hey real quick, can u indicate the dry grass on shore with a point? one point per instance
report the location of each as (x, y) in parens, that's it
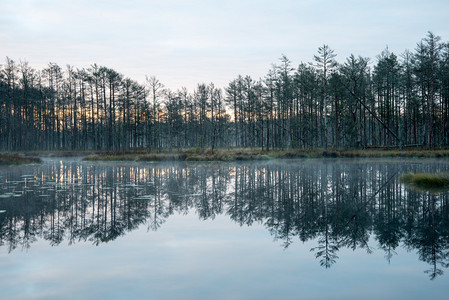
(238, 154)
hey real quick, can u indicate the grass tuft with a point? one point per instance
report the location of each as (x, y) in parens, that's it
(426, 180)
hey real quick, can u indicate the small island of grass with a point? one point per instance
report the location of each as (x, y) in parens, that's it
(426, 180)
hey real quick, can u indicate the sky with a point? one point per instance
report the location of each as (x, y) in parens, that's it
(186, 42)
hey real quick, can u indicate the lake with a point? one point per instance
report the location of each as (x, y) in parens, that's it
(288, 229)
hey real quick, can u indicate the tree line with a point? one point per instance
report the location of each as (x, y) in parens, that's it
(394, 101)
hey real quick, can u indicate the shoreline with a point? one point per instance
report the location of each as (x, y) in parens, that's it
(245, 154)
(227, 154)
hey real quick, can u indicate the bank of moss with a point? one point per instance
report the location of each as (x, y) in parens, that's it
(6, 159)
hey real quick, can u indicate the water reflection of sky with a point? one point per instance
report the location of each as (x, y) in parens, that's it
(191, 258)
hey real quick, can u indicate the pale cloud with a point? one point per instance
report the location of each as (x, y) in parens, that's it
(187, 42)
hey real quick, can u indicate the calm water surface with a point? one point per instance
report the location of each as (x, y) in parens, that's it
(294, 229)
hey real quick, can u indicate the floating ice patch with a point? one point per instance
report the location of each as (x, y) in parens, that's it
(144, 197)
(2, 211)
(6, 195)
(71, 180)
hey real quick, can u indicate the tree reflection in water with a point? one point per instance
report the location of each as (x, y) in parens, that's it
(337, 204)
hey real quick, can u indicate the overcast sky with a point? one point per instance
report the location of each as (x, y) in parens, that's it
(185, 42)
